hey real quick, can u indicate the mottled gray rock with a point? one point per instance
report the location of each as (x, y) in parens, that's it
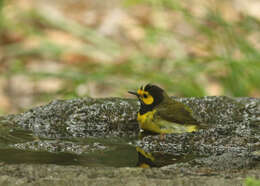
(230, 140)
(81, 118)
(45, 175)
(117, 116)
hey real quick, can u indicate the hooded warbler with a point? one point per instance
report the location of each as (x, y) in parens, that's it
(162, 115)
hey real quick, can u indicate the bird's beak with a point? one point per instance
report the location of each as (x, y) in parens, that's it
(134, 93)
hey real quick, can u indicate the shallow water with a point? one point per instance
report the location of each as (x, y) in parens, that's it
(126, 156)
(20, 146)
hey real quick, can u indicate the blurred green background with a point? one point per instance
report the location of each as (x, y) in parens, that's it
(62, 49)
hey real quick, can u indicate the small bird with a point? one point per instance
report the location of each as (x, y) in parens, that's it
(160, 114)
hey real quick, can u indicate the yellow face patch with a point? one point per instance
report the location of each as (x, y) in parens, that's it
(145, 96)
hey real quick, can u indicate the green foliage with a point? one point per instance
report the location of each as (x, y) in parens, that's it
(232, 63)
(1, 14)
(171, 4)
(252, 182)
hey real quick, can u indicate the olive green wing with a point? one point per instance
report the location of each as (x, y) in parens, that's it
(168, 127)
(177, 112)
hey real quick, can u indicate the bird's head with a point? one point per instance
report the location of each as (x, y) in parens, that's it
(150, 95)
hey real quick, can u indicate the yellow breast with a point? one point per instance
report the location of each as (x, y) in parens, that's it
(147, 121)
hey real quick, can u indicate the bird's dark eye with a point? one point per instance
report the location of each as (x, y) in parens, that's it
(145, 95)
